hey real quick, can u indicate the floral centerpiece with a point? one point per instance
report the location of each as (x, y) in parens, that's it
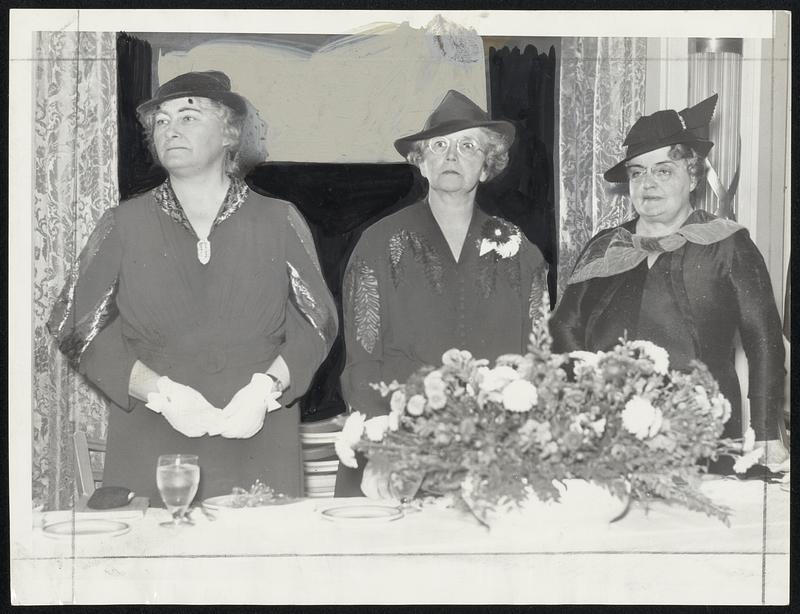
(498, 435)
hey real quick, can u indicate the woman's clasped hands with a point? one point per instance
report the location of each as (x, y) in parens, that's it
(190, 413)
(244, 415)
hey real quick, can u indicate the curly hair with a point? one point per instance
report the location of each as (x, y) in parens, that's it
(695, 166)
(232, 123)
(496, 150)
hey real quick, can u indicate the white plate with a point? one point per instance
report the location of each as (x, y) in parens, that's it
(225, 502)
(362, 514)
(88, 527)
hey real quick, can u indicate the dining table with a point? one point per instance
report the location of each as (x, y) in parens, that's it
(300, 553)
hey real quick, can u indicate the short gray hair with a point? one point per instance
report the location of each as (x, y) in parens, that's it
(232, 123)
(497, 146)
(695, 166)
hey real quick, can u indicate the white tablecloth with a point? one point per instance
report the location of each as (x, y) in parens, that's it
(290, 554)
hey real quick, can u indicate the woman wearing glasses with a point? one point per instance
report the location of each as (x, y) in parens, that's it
(678, 276)
(438, 274)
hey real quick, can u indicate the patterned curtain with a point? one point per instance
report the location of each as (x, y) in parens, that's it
(75, 180)
(601, 95)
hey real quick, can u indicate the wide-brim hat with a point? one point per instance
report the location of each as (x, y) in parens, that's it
(211, 84)
(664, 128)
(455, 112)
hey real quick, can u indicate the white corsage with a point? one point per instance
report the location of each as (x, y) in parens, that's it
(500, 237)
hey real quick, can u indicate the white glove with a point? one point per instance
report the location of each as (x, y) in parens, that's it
(186, 410)
(244, 414)
(776, 456)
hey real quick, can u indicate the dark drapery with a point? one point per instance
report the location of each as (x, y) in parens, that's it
(522, 90)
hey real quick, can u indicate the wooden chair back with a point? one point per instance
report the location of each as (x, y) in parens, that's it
(87, 478)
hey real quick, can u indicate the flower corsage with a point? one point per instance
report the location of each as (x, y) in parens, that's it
(501, 237)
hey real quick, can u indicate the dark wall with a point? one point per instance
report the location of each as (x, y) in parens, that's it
(340, 200)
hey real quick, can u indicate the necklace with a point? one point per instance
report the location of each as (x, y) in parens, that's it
(204, 250)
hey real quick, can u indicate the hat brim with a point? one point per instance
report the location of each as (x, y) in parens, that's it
(405, 144)
(237, 103)
(618, 174)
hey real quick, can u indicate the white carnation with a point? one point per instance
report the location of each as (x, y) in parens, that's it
(520, 396)
(416, 405)
(590, 359)
(641, 418)
(657, 355)
(398, 401)
(497, 378)
(433, 383)
(437, 400)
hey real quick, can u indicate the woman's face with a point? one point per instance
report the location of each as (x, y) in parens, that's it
(455, 168)
(660, 186)
(189, 136)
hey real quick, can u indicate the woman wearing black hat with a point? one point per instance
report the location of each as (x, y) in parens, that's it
(197, 305)
(678, 276)
(438, 274)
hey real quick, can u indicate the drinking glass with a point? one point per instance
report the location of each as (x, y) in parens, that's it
(177, 476)
(403, 487)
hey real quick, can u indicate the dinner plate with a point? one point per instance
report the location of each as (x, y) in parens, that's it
(85, 527)
(366, 513)
(226, 502)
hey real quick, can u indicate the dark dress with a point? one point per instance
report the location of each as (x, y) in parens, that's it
(692, 302)
(406, 301)
(141, 294)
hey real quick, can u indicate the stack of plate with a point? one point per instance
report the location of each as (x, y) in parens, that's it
(319, 456)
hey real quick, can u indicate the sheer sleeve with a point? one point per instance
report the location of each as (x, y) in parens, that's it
(363, 308)
(760, 329)
(311, 322)
(85, 318)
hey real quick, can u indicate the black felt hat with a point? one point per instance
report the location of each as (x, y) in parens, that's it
(455, 112)
(211, 84)
(664, 128)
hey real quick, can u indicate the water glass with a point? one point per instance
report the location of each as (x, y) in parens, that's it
(403, 487)
(177, 476)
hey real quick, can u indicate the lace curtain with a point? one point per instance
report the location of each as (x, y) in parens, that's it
(601, 95)
(75, 180)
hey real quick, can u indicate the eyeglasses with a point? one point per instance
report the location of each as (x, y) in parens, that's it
(636, 174)
(466, 146)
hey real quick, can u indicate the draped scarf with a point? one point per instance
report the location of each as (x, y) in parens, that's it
(620, 250)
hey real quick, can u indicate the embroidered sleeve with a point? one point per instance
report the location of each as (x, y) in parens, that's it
(300, 229)
(85, 318)
(363, 306)
(76, 320)
(539, 298)
(403, 242)
(311, 321)
(365, 299)
(315, 312)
